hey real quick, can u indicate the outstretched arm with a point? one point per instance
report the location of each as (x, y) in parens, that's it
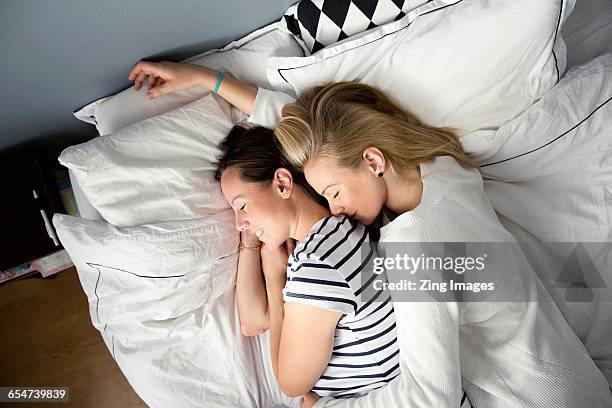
(166, 76)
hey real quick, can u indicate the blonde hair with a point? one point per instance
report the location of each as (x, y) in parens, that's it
(342, 119)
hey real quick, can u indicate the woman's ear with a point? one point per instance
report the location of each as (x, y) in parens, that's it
(374, 160)
(283, 182)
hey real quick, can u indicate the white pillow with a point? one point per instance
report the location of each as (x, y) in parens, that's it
(245, 59)
(157, 272)
(551, 168)
(162, 297)
(466, 64)
(160, 169)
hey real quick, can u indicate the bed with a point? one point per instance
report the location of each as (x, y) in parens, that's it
(159, 276)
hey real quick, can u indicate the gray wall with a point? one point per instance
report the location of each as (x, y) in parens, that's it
(58, 55)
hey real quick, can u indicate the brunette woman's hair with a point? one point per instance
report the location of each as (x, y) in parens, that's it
(255, 152)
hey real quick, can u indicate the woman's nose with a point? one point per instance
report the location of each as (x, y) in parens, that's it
(241, 223)
(336, 209)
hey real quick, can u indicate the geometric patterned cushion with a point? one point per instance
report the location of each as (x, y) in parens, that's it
(319, 23)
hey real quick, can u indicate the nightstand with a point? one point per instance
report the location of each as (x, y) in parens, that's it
(29, 200)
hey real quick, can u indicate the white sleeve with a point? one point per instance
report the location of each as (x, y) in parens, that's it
(268, 107)
(428, 336)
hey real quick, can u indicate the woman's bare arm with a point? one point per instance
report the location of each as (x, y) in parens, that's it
(251, 295)
(236, 92)
(301, 336)
(166, 76)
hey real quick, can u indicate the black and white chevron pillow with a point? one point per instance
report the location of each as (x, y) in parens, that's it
(319, 23)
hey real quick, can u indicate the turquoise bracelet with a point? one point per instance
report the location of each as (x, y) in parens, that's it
(219, 79)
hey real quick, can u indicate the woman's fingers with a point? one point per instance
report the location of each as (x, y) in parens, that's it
(145, 69)
(160, 90)
(139, 80)
(290, 246)
(248, 238)
(163, 77)
(152, 82)
(142, 66)
(156, 81)
(135, 71)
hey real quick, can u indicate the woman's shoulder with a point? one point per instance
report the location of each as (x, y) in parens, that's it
(334, 242)
(268, 107)
(447, 174)
(334, 230)
(454, 207)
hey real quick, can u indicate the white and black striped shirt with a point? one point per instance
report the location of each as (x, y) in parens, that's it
(328, 270)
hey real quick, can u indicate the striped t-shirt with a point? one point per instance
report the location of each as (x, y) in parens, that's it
(328, 270)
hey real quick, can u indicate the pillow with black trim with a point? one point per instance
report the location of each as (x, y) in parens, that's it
(319, 23)
(463, 64)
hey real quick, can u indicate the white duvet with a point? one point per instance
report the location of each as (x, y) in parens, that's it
(549, 177)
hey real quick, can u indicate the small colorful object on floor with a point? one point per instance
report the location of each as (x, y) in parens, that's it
(46, 266)
(16, 272)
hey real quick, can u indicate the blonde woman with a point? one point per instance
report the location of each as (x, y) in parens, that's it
(512, 349)
(366, 155)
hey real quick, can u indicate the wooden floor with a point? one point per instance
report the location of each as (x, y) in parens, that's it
(47, 339)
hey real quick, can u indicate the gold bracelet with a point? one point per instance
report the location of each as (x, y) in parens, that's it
(241, 246)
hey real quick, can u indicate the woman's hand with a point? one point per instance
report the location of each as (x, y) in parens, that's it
(248, 238)
(274, 261)
(165, 76)
(309, 400)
